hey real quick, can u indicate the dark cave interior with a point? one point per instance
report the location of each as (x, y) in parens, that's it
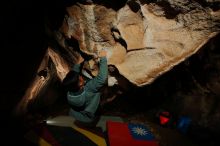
(25, 43)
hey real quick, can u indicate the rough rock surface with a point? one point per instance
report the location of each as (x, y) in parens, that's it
(144, 39)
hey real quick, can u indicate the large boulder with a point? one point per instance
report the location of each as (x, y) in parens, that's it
(144, 39)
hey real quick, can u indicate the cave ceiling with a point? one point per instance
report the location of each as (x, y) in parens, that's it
(144, 39)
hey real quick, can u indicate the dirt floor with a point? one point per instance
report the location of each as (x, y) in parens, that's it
(166, 136)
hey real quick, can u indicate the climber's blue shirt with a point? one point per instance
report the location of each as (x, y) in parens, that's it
(85, 102)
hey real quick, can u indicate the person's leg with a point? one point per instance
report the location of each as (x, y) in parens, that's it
(113, 92)
(89, 125)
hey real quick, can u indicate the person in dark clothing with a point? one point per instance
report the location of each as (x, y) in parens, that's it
(83, 94)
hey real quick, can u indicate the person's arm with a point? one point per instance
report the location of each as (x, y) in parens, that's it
(77, 66)
(96, 83)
